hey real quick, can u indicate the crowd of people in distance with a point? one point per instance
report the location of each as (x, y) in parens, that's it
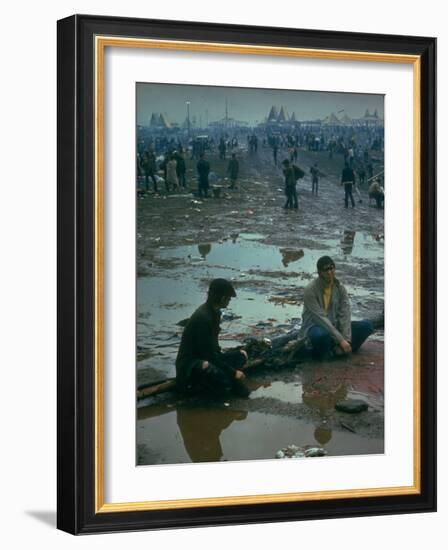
(161, 160)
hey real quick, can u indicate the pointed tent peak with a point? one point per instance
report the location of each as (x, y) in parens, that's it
(283, 115)
(367, 113)
(346, 119)
(293, 117)
(163, 121)
(331, 119)
(375, 114)
(154, 120)
(273, 114)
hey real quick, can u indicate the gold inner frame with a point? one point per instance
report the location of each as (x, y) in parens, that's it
(101, 42)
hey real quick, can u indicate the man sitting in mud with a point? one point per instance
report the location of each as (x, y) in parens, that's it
(201, 366)
(327, 328)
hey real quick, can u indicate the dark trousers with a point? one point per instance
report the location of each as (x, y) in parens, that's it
(203, 188)
(323, 343)
(291, 198)
(315, 186)
(181, 178)
(217, 381)
(348, 194)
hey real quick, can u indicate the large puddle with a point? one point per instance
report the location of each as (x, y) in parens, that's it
(269, 282)
(168, 435)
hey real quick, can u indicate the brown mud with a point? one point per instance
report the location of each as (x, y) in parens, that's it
(270, 256)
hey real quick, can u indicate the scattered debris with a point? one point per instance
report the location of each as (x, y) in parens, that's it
(352, 406)
(293, 451)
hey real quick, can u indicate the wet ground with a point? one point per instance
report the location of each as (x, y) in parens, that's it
(270, 255)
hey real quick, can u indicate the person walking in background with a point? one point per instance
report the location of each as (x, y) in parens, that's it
(148, 165)
(203, 168)
(314, 171)
(233, 170)
(181, 169)
(348, 180)
(275, 151)
(290, 185)
(171, 173)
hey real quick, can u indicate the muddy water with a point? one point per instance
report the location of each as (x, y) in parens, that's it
(288, 408)
(210, 435)
(269, 281)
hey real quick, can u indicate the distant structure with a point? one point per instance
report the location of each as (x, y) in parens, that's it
(331, 120)
(371, 120)
(278, 120)
(227, 123)
(159, 121)
(273, 114)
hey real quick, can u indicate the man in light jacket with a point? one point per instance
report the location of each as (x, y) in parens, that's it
(326, 321)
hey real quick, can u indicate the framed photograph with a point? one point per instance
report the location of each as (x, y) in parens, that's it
(246, 324)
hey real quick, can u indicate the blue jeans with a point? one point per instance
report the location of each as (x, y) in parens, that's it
(323, 343)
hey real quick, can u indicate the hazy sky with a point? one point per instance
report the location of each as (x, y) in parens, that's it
(247, 104)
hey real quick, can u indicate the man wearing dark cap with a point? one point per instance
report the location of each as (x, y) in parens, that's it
(326, 318)
(201, 365)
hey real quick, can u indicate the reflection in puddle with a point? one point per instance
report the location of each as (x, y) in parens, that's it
(205, 446)
(288, 393)
(290, 255)
(180, 432)
(166, 435)
(204, 249)
(347, 242)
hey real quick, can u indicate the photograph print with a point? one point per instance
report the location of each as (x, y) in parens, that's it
(260, 274)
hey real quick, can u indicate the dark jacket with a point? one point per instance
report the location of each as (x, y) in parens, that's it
(200, 343)
(203, 168)
(348, 176)
(180, 166)
(233, 168)
(290, 179)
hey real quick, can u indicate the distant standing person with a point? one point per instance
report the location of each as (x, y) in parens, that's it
(233, 170)
(171, 174)
(148, 165)
(203, 168)
(290, 185)
(361, 175)
(181, 169)
(314, 171)
(222, 149)
(275, 152)
(348, 180)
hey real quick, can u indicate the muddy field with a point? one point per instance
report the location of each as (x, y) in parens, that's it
(270, 255)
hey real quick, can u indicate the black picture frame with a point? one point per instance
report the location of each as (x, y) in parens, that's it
(76, 475)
